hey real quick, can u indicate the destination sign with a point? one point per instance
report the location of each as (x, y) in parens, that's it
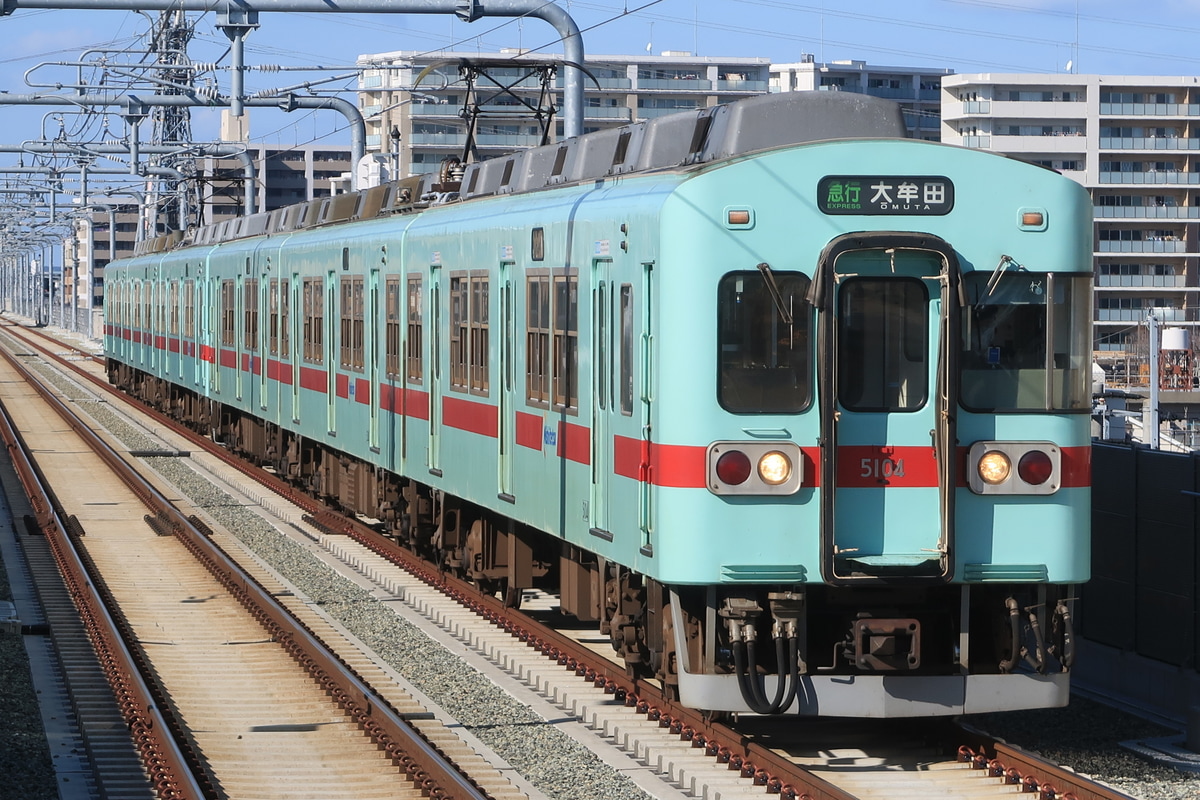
(896, 195)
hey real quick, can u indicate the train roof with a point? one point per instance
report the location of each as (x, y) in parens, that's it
(671, 141)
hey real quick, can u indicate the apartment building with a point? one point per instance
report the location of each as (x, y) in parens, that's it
(917, 90)
(415, 127)
(1134, 142)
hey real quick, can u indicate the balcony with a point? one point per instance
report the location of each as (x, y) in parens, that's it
(603, 83)
(1055, 143)
(433, 110)
(1139, 314)
(755, 87)
(1157, 246)
(675, 85)
(1141, 281)
(437, 139)
(978, 142)
(651, 113)
(1150, 109)
(1147, 212)
(1149, 143)
(1152, 176)
(608, 112)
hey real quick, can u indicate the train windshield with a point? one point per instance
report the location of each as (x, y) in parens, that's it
(1026, 342)
(763, 343)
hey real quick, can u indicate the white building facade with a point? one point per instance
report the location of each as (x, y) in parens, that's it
(416, 131)
(1134, 142)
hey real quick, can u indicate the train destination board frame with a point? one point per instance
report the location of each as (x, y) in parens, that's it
(878, 195)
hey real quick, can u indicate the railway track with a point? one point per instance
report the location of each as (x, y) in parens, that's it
(695, 754)
(213, 678)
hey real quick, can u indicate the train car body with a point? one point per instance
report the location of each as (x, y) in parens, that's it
(795, 409)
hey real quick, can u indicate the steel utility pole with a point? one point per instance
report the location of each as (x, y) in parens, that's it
(173, 124)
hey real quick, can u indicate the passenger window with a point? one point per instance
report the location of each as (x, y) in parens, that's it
(763, 343)
(883, 344)
(627, 349)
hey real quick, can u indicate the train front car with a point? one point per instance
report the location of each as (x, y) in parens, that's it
(880, 352)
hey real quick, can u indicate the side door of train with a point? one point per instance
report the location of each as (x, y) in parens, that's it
(622, 343)
(888, 472)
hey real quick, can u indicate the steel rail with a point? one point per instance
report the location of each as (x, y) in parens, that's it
(172, 767)
(418, 758)
(1034, 775)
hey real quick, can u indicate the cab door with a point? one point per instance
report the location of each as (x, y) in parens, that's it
(887, 408)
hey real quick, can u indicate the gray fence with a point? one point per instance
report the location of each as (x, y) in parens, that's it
(1143, 594)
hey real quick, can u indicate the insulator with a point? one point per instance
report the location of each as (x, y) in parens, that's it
(268, 68)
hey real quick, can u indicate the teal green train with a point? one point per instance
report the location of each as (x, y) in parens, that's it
(795, 409)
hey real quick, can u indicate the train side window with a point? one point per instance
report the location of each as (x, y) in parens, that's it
(627, 349)
(250, 314)
(391, 330)
(763, 343)
(352, 343)
(285, 325)
(459, 338)
(159, 303)
(314, 321)
(228, 313)
(189, 309)
(479, 334)
(601, 345)
(566, 341)
(414, 367)
(173, 327)
(537, 244)
(273, 317)
(537, 339)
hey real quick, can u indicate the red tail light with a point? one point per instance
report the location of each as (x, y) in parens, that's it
(733, 467)
(1035, 468)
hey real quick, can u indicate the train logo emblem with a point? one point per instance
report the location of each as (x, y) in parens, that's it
(914, 195)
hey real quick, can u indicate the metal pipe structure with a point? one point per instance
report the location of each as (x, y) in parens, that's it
(135, 106)
(218, 149)
(466, 10)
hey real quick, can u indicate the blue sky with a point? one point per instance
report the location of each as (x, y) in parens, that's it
(1093, 36)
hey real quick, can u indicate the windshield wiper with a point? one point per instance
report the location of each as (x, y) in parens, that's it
(773, 288)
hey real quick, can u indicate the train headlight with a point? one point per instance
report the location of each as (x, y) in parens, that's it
(994, 467)
(1038, 468)
(754, 468)
(774, 468)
